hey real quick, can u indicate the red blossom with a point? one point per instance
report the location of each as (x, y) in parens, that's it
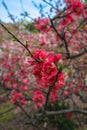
(67, 20)
(54, 57)
(17, 96)
(23, 102)
(77, 6)
(39, 99)
(49, 71)
(43, 25)
(40, 54)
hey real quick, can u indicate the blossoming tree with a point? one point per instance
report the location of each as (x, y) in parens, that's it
(49, 70)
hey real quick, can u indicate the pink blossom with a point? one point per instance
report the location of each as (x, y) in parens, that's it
(39, 99)
(43, 25)
(77, 6)
(40, 54)
(49, 71)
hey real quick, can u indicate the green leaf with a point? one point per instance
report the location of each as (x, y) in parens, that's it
(85, 1)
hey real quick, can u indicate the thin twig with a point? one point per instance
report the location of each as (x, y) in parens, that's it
(5, 112)
(18, 41)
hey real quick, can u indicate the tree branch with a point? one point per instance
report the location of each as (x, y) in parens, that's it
(18, 41)
(78, 55)
(52, 113)
(5, 112)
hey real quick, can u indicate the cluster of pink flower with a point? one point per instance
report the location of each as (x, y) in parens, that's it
(39, 99)
(77, 6)
(43, 25)
(14, 73)
(18, 97)
(47, 75)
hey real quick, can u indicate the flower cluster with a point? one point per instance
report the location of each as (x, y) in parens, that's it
(17, 97)
(77, 6)
(39, 99)
(67, 20)
(47, 73)
(43, 25)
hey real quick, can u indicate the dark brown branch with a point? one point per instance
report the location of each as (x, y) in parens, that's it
(62, 38)
(83, 22)
(49, 90)
(32, 121)
(20, 106)
(78, 55)
(59, 15)
(53, 113)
